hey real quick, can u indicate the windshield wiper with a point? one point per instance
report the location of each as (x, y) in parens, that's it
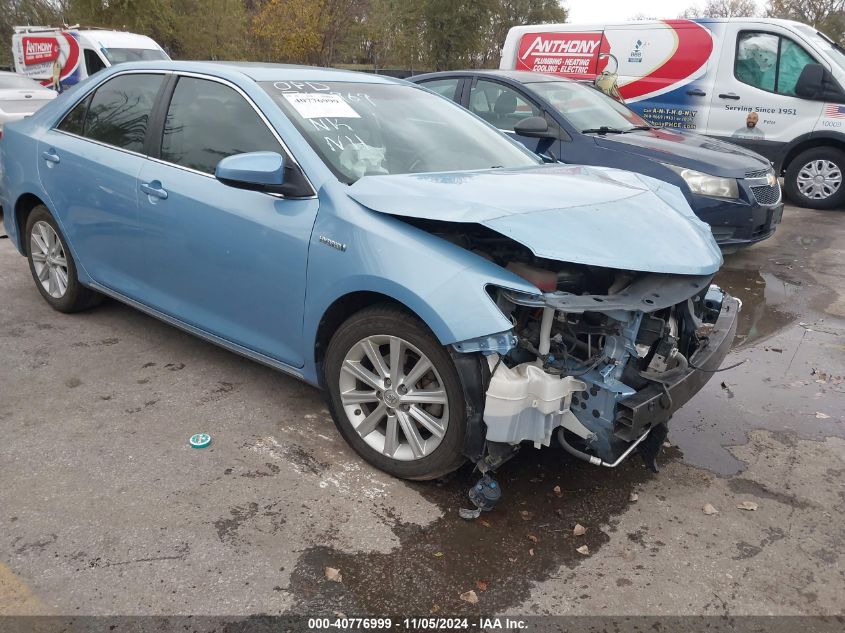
(603, 130)
(638, 127)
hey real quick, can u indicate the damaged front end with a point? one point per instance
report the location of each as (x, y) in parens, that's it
(624, 326)
(601, 359)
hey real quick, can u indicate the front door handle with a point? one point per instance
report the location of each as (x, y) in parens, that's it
(154, 190)
(729, 95)
(696, 92)
(51, 156)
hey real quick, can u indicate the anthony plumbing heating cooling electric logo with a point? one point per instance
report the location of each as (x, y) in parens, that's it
(568, 53)
(37, 50)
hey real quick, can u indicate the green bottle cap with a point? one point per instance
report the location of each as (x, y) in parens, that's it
(200, 440)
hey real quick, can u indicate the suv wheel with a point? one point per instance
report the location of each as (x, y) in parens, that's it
(395, 394)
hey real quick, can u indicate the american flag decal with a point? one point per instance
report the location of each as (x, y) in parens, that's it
(833, 111)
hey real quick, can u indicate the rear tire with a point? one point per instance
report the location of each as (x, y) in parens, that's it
(405, 421)
(52, 265)
(814, 178)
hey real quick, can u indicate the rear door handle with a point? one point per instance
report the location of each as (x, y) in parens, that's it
(729, 95)
(696, 92)
(154, 190)
(51, 156)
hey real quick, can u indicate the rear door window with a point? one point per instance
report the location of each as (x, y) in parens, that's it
(119, 111)
(208, 121)
(500, 105)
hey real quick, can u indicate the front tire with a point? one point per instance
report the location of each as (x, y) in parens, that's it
(814, 178)
(52, 265)
(395, 394)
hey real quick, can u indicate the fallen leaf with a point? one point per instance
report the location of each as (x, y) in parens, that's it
(583, 550)
(709, 509)
(526, 515)
(470, 596)
(435, 608)
(579, 530)
(484, 522)
(531, 552)
(633, 497)
(557, 491)
(333, 574)
(481, 584)
(438, 554)
(533, 538)
(339, 614)
(747, 505)
(821, 416)
(513, 560)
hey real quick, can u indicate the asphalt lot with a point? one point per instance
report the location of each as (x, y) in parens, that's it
(105, 509)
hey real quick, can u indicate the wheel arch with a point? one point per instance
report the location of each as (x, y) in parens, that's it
(23, 207)
(811, 142)
(341, 309)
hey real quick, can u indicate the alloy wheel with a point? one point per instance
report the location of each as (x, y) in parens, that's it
(819, 179)
(48, 259)
(394, 397)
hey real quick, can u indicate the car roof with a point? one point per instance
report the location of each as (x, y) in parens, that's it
(258, 71)
(520, 76)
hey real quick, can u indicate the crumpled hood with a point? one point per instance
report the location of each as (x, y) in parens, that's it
(583, 215)
(694, 151)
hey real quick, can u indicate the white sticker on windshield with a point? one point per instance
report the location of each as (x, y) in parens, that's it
(316, 106)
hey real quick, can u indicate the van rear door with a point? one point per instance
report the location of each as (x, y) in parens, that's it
(754, 103)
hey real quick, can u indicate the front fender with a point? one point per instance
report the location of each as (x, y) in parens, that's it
(443, 284)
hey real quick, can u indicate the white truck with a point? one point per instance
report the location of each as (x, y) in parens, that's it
(775, 86)
(61, 57)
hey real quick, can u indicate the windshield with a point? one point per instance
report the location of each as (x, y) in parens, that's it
(585, 108)
(16, 82)
(361, 129)
(825, 44)
(121, 55)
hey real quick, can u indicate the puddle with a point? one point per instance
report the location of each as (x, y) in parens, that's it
(434, 564)
(768, 302)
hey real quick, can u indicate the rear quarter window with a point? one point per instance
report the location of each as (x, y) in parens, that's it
(119, 110)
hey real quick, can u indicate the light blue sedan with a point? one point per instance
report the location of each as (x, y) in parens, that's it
(453, 295)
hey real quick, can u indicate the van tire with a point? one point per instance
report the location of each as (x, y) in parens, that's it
(824, 159)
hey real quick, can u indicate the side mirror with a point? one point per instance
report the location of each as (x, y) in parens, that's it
(261, 171)
(816, 82)
(810, 82)
(534, 127)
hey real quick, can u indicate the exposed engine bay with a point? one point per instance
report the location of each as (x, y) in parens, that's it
(600, 359)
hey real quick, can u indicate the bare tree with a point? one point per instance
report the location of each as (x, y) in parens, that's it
(723, 9)
(828, 16)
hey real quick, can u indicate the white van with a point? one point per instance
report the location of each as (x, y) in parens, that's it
(774, 86)
(60, 58)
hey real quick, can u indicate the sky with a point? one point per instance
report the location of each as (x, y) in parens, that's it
(586, 11)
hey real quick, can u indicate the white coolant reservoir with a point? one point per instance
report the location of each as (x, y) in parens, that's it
(526, 403)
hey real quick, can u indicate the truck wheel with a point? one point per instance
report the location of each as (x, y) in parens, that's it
(814, 178)
(395, 394)
(52, 265)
